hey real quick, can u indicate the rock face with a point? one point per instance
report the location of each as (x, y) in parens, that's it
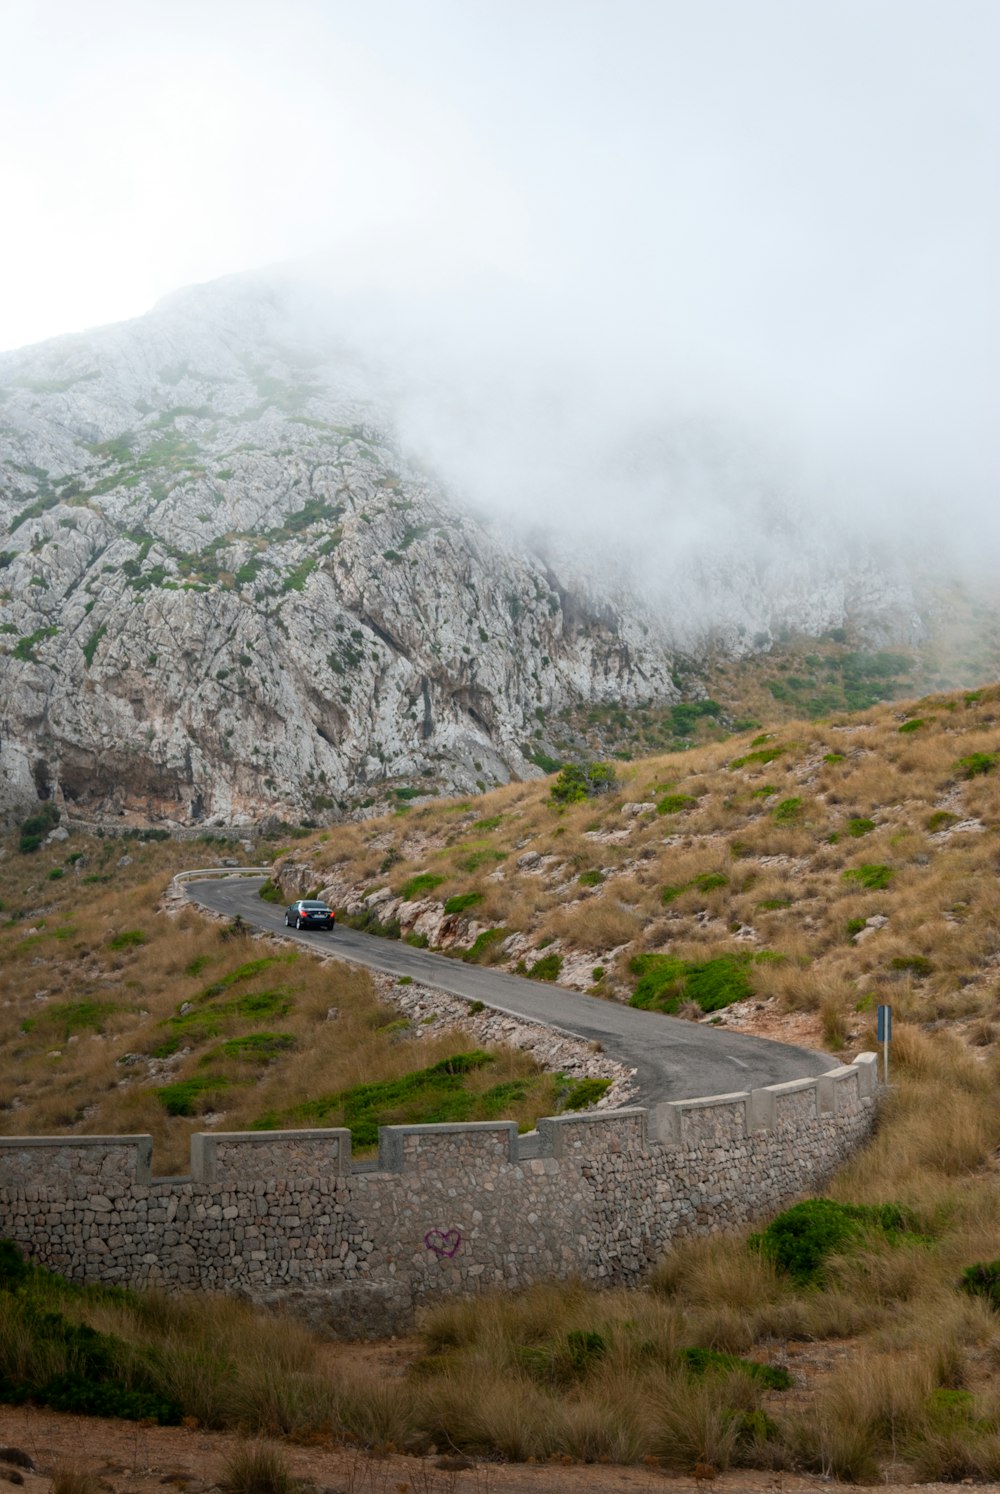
(224, 591)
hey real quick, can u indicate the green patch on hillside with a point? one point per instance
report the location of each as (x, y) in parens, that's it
(206, 1022)
(820, 685)
(706, 882)
(431, 1096)
(873, 877)
(666, 982)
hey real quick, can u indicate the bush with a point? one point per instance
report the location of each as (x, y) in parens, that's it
(127, 939)
(416, 886)
(65, 1364)
(706, 1361)
(977, 763)
(858, 826)
(256, 1469)
(462, 901)
(800, 1240)
(874, 877)
(983, 1280)
(676, 803)
(271, 892)
(484, 947)
(547, 968)
(576, 783)
(665, 982)
(580, 1093)
(37, 826)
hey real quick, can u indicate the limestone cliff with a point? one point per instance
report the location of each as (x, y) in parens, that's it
(225, 591)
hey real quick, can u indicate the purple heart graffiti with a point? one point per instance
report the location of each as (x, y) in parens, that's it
(443, 1242)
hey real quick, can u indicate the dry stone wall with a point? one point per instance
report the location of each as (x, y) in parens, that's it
(285, 1217)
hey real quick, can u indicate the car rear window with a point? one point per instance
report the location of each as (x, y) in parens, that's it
(314, 905)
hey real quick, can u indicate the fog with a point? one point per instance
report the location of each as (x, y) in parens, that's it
(711, 279)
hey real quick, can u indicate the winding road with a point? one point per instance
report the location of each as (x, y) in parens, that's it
(673, 1059)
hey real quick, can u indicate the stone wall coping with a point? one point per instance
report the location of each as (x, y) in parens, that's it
(391, 1139)
(757, 1110)
(670, 1114)
(141, 1145)
(206, 1168)
(553, 1129)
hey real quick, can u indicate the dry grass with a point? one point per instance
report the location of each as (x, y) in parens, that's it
(90, 1018)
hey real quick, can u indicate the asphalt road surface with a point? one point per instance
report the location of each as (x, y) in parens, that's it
(673, 1059)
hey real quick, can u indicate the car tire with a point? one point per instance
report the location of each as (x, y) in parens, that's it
(288, 922)
(298, 923)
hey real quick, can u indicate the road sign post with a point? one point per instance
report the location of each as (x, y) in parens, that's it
(884, 1032)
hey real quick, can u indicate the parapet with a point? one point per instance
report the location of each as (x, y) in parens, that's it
(72, 1166)
(242, 1157)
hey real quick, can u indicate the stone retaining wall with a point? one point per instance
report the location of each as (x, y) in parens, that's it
(284, 1218)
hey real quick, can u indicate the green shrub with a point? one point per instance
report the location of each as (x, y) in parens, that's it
(914, 725)
(127, 939)
(462, 902)
(576, 783)
(547, 968)
(713, 1361)
(676, 803)
(858, 826)
(918, 965)
(787, 812)
(939, 820)
(833, 757)
(182, 1097)
(420, 884)
(258, 1047)
(983, 1280)
(66, 1364)
(579, 1093)
(761, 757)
(976, 764)
(666, 981)
(874, 877)
(37, 826)
(801, 1239)
(435, 1095)
(592, 878)
(271, 892)
(484, 950)
(706, 882)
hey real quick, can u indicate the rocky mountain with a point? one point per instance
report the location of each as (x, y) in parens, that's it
(225, 591)
(229, 589)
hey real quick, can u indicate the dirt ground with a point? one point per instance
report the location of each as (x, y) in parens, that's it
(125, 1458)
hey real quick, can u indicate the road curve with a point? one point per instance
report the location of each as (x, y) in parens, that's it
(673, 1060)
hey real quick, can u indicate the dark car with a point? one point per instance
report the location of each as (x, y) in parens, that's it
(309, 914)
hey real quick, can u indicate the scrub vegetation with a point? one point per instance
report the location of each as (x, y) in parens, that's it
(856, 1336)
(118, 1017)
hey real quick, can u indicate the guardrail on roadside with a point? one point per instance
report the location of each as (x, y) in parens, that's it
(223, 871)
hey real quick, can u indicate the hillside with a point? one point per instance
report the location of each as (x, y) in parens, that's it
(784, 883)
(828, 866)
(819, 868)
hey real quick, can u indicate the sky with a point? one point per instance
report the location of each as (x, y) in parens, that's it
(775, 221)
